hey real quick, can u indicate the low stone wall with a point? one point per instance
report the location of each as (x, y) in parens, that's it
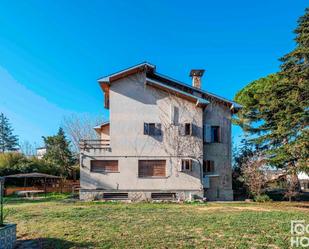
(184, 195)
(7, 236)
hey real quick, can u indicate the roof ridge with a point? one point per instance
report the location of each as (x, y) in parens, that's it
(128, 68)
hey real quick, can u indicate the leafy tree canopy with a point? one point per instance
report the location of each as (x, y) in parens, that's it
(16, 163)
(58, 152)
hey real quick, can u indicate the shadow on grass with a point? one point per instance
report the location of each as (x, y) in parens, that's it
(278, 195)
(51, 243)
(14, 199)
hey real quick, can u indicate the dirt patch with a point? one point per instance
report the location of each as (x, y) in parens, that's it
(234, 209)
(253, 209)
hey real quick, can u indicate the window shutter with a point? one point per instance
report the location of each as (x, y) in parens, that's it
(192, 129)
(182, 130)
(195, 130)
(146, 129)
(172, 117)
(176, 115)
(150, 168)
(181, 165)
(104, 165)
(158, 131)
(212, 166)
(207, 133)
(219, 134)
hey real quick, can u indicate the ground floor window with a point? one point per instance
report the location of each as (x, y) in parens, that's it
(104, 166)
(151, 168)
(208, 167)
(186, 165)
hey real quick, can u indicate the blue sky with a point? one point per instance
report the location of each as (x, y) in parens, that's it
(52, 52)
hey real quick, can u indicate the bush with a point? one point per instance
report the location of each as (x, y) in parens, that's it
(16, 163)
(262, 198)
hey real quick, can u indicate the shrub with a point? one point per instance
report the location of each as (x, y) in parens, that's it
(262, 198)
(16, 163)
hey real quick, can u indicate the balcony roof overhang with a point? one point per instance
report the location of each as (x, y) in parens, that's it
(99, 127)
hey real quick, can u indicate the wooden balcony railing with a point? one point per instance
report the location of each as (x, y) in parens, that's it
(94, 144)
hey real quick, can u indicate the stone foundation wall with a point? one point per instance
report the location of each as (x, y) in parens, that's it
(185, 195)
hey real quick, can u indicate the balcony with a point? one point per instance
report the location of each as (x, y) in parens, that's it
(95, 144)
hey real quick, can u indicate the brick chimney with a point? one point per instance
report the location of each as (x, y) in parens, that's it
(196, 75)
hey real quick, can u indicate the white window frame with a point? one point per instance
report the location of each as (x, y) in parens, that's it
(186, 165)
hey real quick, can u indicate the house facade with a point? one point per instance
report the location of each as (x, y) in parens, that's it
(164, 140)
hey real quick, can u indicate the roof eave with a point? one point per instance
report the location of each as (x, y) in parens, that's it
(198, 101)
(125, 72)
(231, 103)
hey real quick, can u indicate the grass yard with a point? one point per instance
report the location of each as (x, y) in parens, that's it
(59, 222)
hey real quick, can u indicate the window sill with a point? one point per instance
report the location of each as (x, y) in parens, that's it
(104, 172)
(152, 177)
(153, 135)
(210, 175)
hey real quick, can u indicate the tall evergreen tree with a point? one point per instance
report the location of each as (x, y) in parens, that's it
(295, 83)
(8, 141)
(58, 152)
(276, 108)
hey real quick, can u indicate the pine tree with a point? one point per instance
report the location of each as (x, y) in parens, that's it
(276, 108)
(58, 152)
(8, 141)
(295, 84)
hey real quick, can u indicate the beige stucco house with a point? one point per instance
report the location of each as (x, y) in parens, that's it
(164, 140)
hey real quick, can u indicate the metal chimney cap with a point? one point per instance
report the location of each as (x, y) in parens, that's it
(197, 72)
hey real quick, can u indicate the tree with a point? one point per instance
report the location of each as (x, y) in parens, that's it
(80, 127)
(8, 141)
(27, 148)
(58, 152)
(253, 174)
(276, 113)
(241, 156)
(16, 163)
(295, 83)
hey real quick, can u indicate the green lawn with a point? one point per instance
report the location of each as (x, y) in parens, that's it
(59, 222)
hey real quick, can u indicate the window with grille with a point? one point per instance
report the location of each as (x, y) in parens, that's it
(104, 166)
(151, 168)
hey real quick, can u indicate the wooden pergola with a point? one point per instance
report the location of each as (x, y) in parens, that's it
(34, 175)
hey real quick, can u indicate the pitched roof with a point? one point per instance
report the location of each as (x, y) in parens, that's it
(32, 175)
(126, 72)
(168, 82)
(98, 127)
